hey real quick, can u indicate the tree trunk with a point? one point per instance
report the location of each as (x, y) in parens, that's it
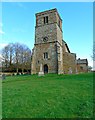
(17, 70)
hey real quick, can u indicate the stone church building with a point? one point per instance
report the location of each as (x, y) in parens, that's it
(50, 50)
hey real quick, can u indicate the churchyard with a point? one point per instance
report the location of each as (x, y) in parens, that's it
(49, 96)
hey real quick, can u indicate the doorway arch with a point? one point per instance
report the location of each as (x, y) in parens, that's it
(45, 68)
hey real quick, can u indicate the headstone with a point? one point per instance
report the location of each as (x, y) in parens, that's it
(70, 70)
(76, 71)
(41, 73)
(3, 77)
(19, 73)
(15, 73)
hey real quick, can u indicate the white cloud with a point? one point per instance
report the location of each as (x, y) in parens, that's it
(1, 24)
(20, 5)
(1, 57)
(2, 45)
(1, 32)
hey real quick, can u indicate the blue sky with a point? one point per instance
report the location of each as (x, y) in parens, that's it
(18, 24)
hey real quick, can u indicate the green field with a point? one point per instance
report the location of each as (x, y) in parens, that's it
(51, 96)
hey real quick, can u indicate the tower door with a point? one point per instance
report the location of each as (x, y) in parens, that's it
(45, 68)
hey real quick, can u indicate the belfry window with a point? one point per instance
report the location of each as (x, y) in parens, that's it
(45, 19)
(45, 55)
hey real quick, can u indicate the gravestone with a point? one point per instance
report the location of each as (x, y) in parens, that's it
(76, 71)
(41, 73)
(70, 70)
(3, 77)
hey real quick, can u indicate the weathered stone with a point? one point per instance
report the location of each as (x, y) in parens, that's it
(60, 60)
(3, 76)
(41, 73)
(82, 65)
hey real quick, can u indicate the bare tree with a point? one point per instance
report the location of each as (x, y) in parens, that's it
(11, 55)
(17, 51)
(16, 56)
(27, 58)
(89, 68)
(22, 57)
(5, 57)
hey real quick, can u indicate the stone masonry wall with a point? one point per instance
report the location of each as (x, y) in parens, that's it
(82, 68)
(51, 61)
(45, 31)
(51, 17)
(69, 63)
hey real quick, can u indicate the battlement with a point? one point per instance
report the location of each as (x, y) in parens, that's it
(47, 12)
(48, 17)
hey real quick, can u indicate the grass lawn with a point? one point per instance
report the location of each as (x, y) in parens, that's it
(51, 96)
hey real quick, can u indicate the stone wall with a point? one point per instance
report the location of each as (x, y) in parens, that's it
(51, 17)
(45, 31)
(39, 59)
(81, 68)
(69, 63)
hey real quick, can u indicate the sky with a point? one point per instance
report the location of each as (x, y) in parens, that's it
(18, 24)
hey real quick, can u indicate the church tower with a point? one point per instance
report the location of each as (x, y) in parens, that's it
(47, 49)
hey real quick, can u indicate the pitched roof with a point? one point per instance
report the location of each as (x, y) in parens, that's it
(66, 46)
(82, 61)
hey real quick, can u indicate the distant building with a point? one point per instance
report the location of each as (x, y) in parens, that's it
(82, 65)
